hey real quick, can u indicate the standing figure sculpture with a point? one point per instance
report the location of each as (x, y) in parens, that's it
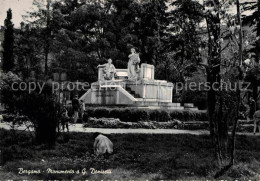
(133, 65)
(109, 70)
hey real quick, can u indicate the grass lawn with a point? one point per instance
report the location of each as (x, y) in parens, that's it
(137, 156)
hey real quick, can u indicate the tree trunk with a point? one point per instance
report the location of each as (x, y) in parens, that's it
(238, 102)
(258, 33)
(46, 61)
(47, 37)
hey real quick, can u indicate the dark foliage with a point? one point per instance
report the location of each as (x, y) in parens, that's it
(41, 109)
(199, 98)
(39, 106)
(8, 44)
(135, 115)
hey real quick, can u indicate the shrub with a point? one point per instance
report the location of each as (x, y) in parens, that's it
(9, 118)
(123, 114)
(135, 115)
(115, 113)
(39, 106)
(103, 112)
(154, 115)
(14, 119)
(176, 114)
(187, 115)
(164, 116)
(160, 116)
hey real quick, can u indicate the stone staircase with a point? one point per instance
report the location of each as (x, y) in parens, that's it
(152, 104)
(155, 104)
(133, 93)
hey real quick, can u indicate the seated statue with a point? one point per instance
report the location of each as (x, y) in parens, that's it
(109, 70)
(133, 65)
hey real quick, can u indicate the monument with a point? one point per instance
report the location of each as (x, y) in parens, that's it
(131, 87)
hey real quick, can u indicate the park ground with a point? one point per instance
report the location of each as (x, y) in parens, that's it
(137, 156)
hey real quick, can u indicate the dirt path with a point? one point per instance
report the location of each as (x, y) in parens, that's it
(79, 128)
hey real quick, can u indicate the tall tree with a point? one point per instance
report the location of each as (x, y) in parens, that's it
(184, 39)
(41, 21)
(152, 30)
(254, 20)
(76, 28)
(8, 44)
(26, 50)
(223, 104)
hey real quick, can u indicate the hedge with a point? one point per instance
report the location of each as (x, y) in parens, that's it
(11, 118)
(135, 115)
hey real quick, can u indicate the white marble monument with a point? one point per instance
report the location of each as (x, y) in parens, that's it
(134, 86)
(138, 90)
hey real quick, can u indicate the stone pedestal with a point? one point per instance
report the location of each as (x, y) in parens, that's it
(147, 72)
(115, 95)
(152, 90)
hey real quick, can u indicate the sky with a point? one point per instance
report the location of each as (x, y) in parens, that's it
(19, 8)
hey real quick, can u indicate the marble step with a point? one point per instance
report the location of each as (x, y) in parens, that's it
(189, 105)
(191, 108)
(170, 106)
(144, 103)
(157, 107)
(175, 108)
(164, 104)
